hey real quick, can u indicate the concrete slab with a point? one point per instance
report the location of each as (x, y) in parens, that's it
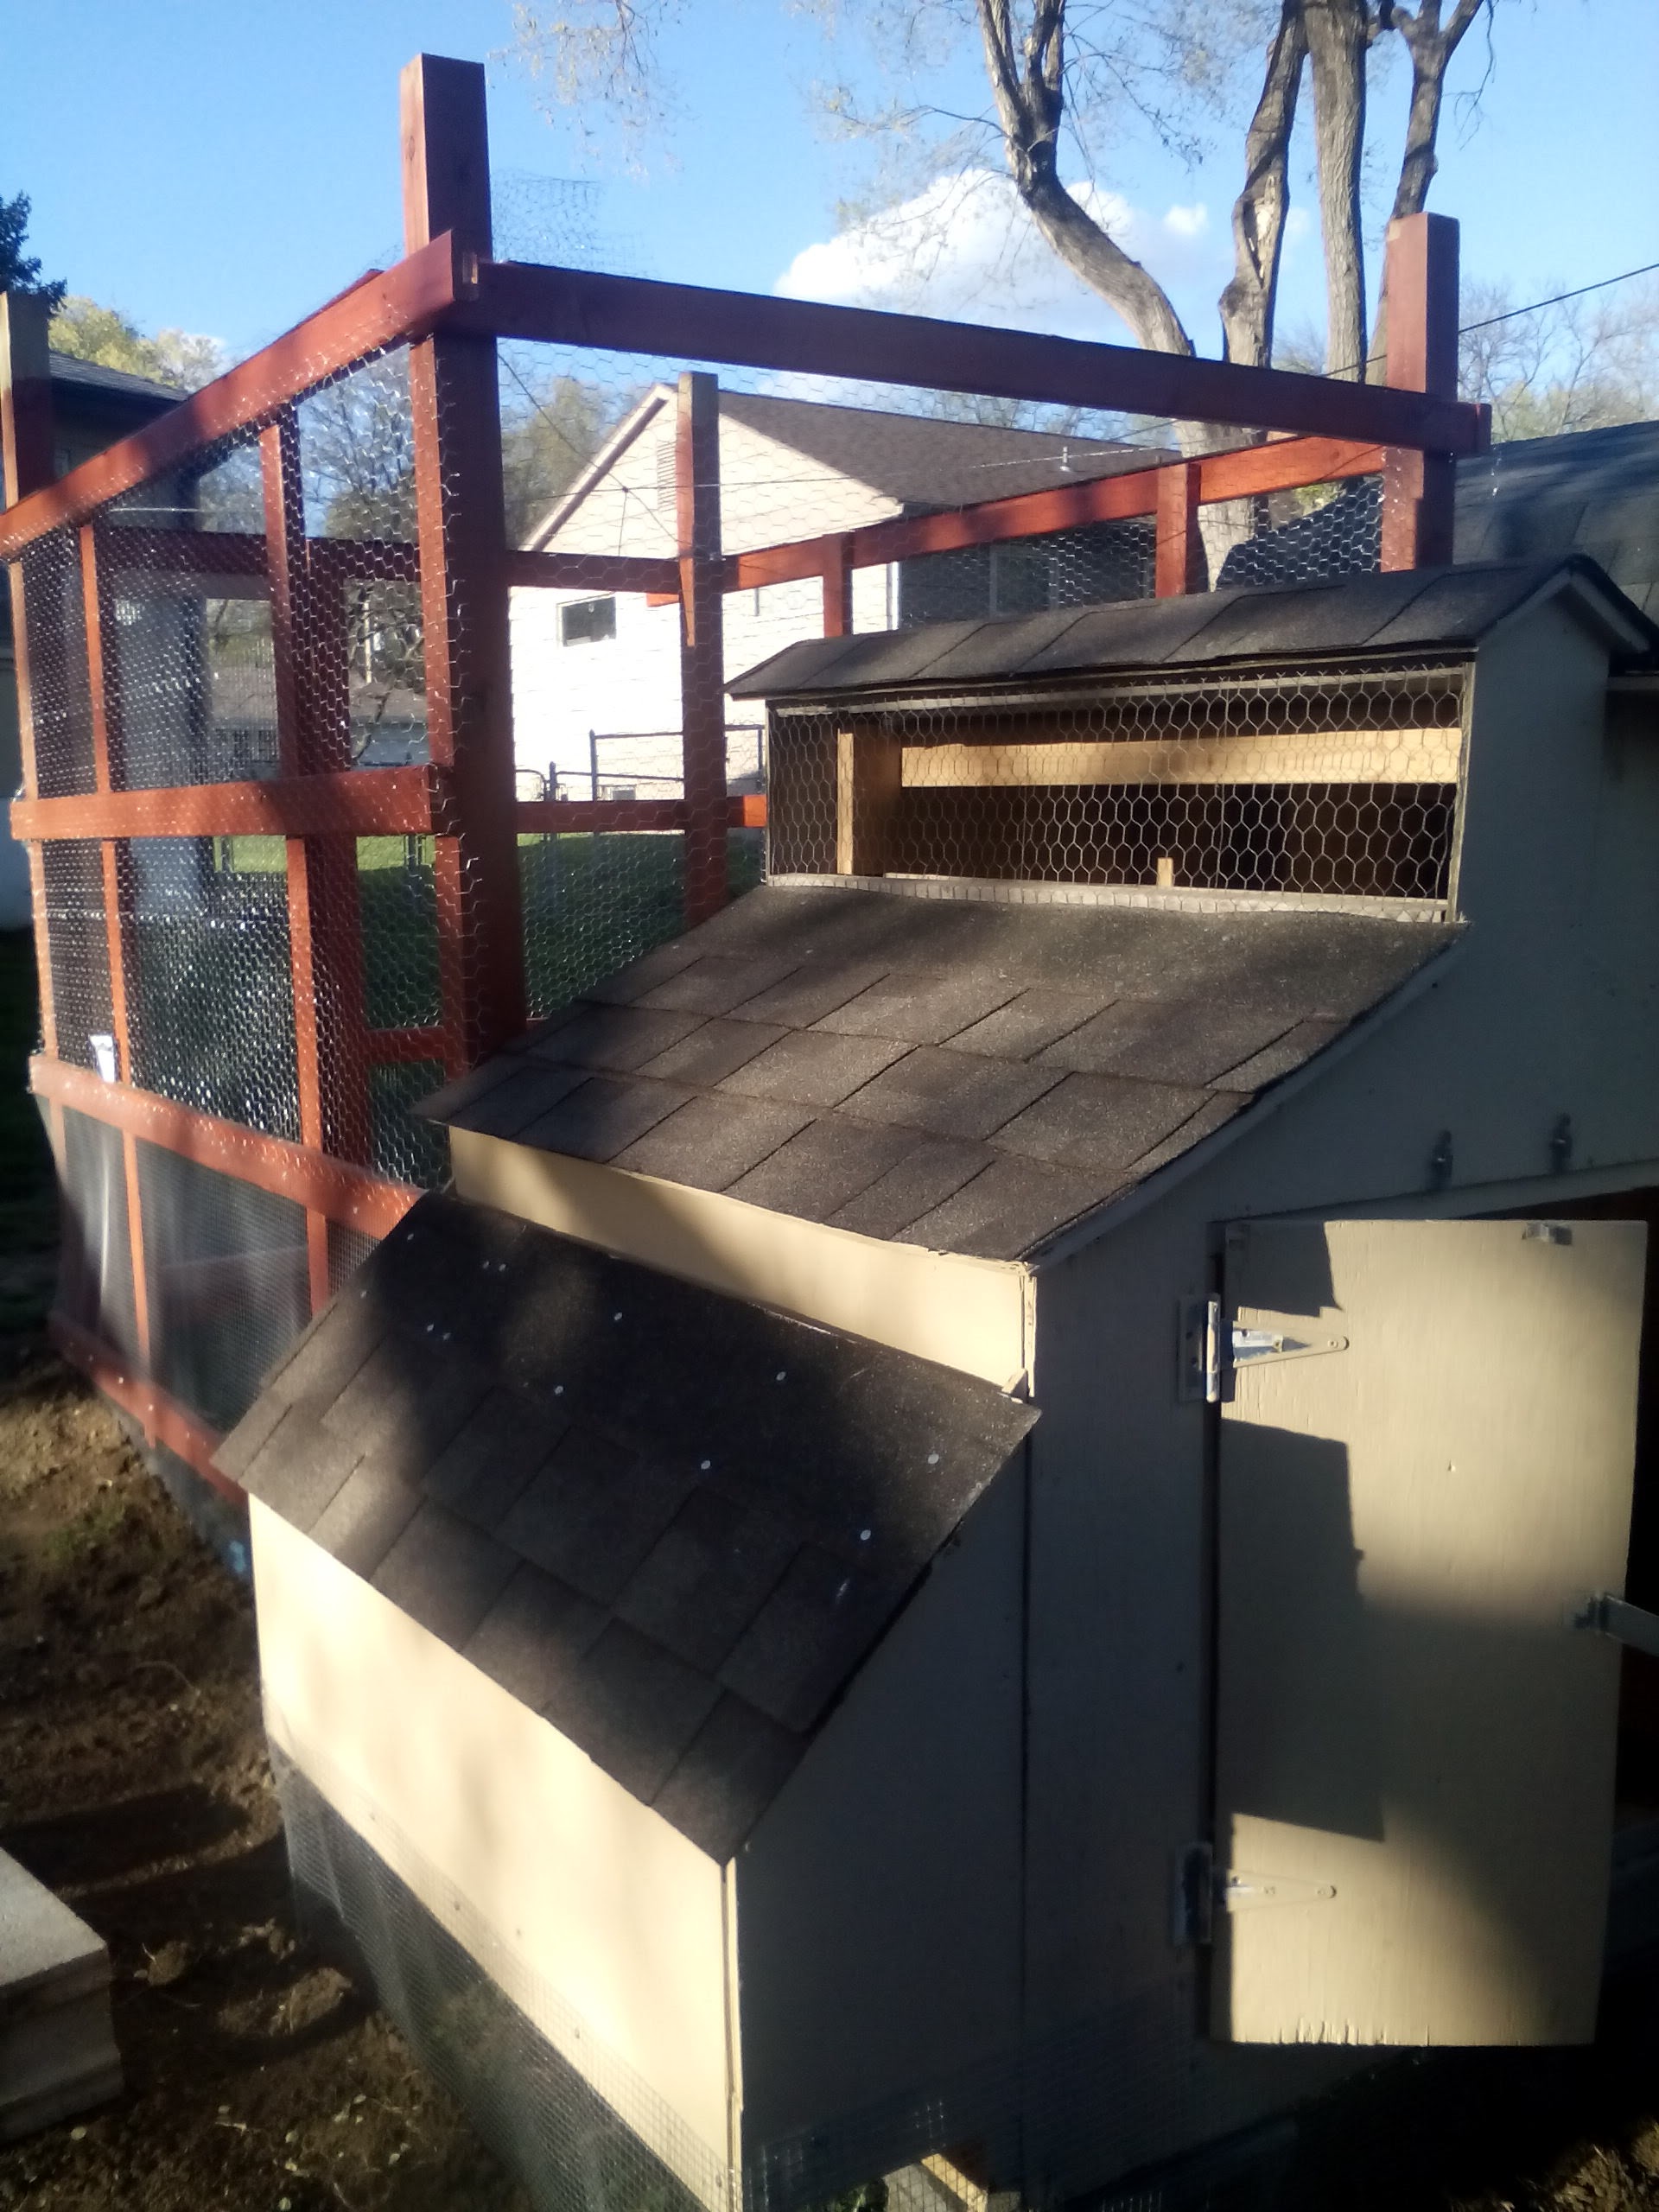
(57, 2046)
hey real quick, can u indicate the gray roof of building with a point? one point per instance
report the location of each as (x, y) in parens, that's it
(927, 461)
(1436, 611)
(1593, 492)
(92, 376)
(1589, 492)
(968, 1076)
(673, 1524)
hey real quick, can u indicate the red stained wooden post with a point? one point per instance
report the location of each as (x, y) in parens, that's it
(1179, 564)
(1419, 489)
(462, 532)
(703, 652)
(308, 622)
(27, 461)
(838, 586)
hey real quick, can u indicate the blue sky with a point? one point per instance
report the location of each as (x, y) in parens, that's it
(225, 170)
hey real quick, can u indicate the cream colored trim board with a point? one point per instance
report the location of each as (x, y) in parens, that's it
(603, 1925)
(1339, 756)
(967, 1313)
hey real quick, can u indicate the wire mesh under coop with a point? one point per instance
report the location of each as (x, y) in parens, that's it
(567, 2143)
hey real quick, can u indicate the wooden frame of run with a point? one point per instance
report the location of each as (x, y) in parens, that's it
(449, 301)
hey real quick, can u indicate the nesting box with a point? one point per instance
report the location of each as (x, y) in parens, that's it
(992, 1513)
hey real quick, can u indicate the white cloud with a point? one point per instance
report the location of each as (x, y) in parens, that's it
(965, 247)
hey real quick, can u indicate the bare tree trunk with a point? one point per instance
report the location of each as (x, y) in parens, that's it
(1339, 33)
(1431, 48)
(1027, 80)
(1247, 305)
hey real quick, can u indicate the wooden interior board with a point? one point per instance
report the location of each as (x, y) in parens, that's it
(1414, 1750)
(1337, 756)
(967, 1313)
(601, 1922)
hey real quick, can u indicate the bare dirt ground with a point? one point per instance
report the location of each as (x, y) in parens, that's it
(133, 1781)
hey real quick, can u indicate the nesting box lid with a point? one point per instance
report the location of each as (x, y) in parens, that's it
(969, 1075)
(672, 1523)
(1406, 611)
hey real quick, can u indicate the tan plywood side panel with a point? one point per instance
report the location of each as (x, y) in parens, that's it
(967, 1313)
(601, 1923)
(1414, 1752)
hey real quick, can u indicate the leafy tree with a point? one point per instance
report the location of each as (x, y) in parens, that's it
(93, 332)
(549, 435)
(20, 271)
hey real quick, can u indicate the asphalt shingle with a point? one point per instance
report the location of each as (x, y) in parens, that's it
(674, 1526)
(760, 1101)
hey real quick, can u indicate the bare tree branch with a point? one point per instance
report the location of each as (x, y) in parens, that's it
(1431, 47)
(1247, 305)
(1027, 76)
(1339, 35)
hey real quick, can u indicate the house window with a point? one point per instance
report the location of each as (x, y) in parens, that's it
(584, 622)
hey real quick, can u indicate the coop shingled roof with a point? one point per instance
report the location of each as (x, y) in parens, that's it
(674, 1524)
(969, 1075)
(1406, 611)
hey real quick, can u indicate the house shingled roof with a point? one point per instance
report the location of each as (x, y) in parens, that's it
(931, 461)
(673, 1524)
(967, 1075)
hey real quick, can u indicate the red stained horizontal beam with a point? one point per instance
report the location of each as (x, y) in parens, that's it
(405, 301)
(1280, 466)
(125, 551)
(211, 554)
(555, 815)
(356, 802)
(163, 1419)
(576, 307)
(366, 560)
(390, 1047)
(595, 572)
(347, 1194)
(547, 816)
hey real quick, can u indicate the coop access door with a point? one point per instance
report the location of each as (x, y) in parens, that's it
(1426, 1439)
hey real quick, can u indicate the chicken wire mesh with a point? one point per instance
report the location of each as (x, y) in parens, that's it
(259, 611)
(566, 2141)
(1335, 786)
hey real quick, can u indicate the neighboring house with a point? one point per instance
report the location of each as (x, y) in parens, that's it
(747, 1752)
(91, 408)
(591, 668)
(596, 676)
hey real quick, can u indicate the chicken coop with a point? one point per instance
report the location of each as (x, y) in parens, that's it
(986, 1505)
(996, 1509)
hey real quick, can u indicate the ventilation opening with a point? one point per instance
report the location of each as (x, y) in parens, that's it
(1346, 791)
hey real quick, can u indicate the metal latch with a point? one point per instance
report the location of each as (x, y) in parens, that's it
(1212, 1348)
(1610, 1615)
(1202, 1888)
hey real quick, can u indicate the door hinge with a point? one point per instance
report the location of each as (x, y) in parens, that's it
(1212, 1348)
(1202, 1889)
(1610, 1615)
